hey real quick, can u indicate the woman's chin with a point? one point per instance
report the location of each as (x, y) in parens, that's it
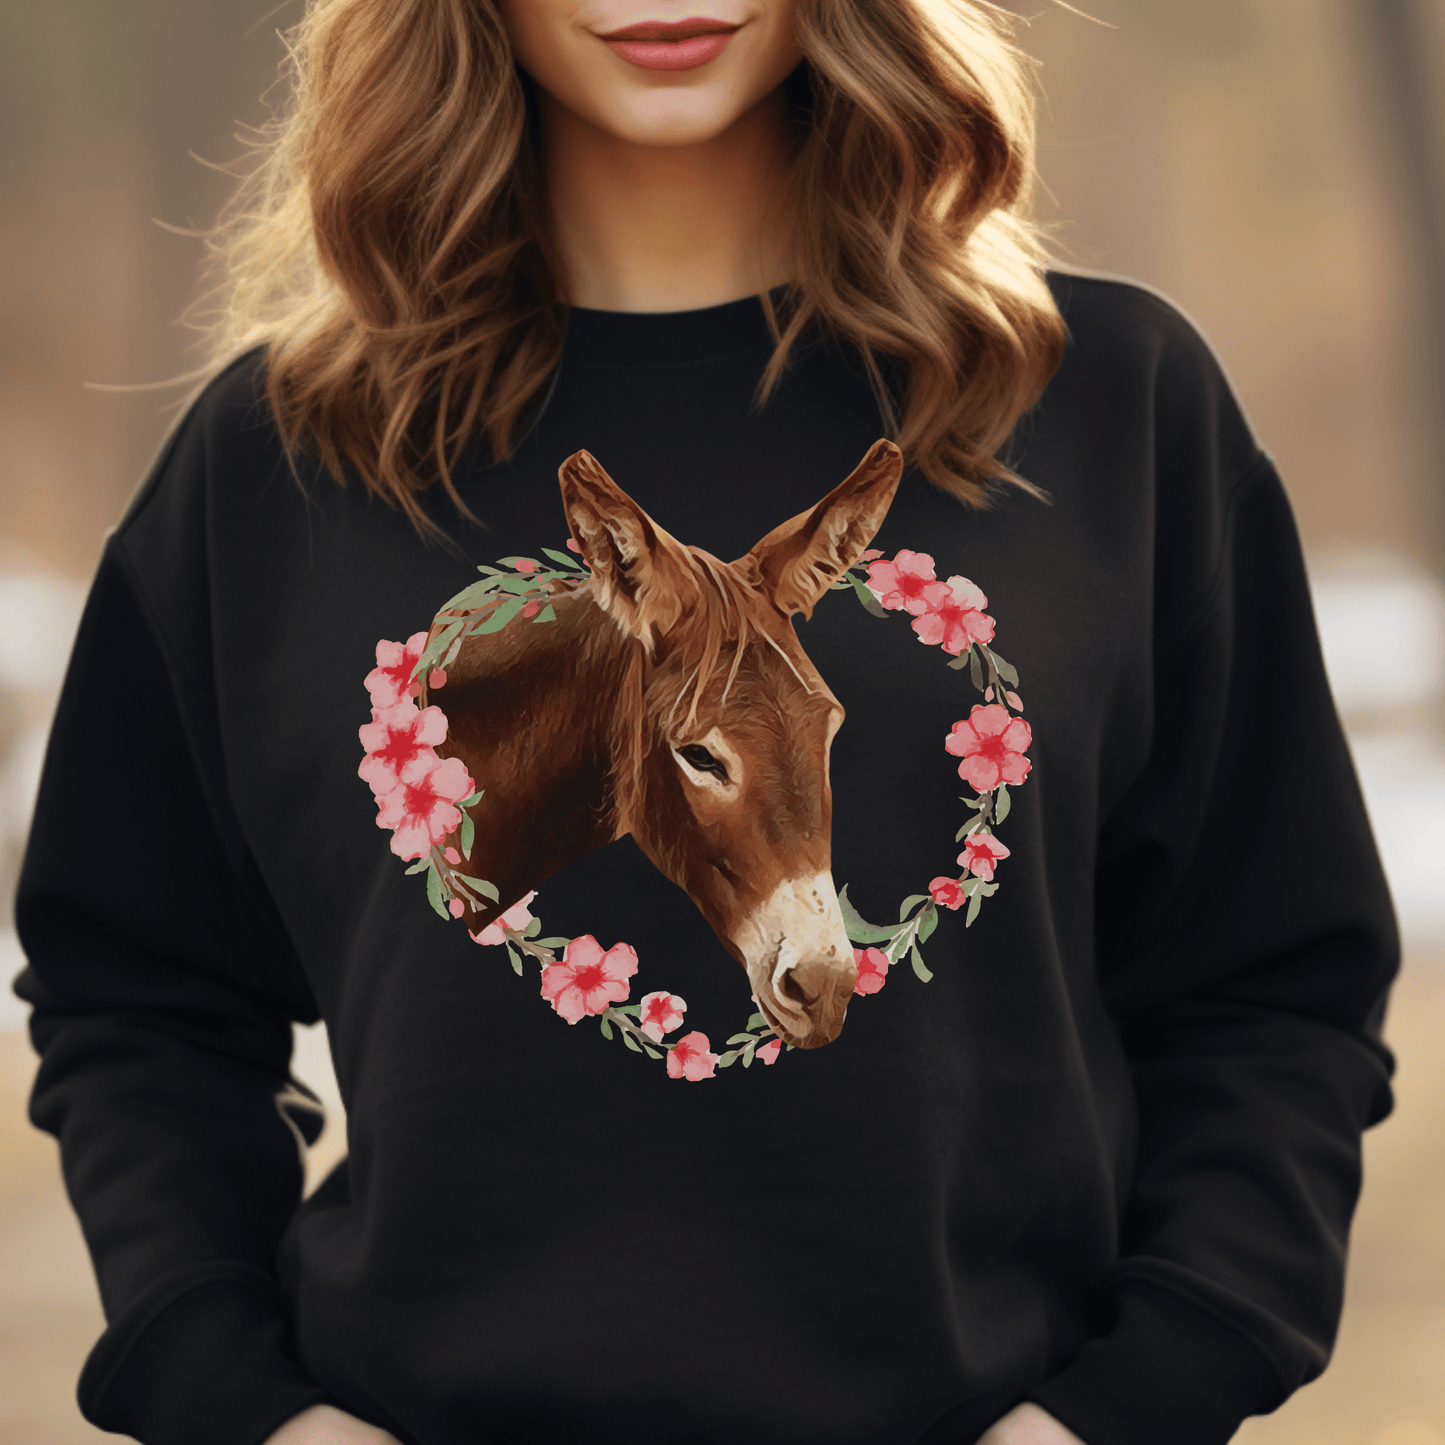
(667, 115)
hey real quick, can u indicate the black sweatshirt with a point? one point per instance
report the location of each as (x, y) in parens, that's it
(1105, 1159)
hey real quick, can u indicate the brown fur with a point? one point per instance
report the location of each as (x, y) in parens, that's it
(570, 726)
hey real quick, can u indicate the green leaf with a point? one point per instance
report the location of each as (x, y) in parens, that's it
(489, 571)
(929, 921)
(727, 1058)
(432, 652)
(959, 663)
(516, 960)
(606, 1028)
(975, 668)
(520, 586)
(567, 559)
(547, 614)
(910, 903)
(435, 895)
(467, 835)
(554, 944)
(869, 601)
(916, 959)
(747, 1058)
(650, 1052)
(758, 1021)
(977, 802)
(474, 799)
(630, 1041)
(501, 617)
(1006, 672)
(533, 928)
(468, 597)
(742, 1039)
(974, 904)
(859, 930)
(1002, 803)
(419, 867)
(967, 828)
(479, 886)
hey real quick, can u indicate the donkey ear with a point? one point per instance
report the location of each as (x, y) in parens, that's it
(644, 576)
(800, 560)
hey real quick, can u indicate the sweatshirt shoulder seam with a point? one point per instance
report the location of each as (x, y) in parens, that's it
(1261, 467)
(150, 484)
(173, 655)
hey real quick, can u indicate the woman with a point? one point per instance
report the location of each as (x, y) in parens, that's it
(1087, 1173)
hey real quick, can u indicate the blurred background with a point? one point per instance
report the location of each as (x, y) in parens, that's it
(1277, 167)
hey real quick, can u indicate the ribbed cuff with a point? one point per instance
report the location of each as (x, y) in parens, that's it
(204, 1356)
(1167, 1371)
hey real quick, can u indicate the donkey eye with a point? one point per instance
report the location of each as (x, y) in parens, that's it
(697, 756)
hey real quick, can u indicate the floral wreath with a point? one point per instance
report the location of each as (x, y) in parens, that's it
(423, 799)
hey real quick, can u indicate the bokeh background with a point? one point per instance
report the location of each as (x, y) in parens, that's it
(1277, 167)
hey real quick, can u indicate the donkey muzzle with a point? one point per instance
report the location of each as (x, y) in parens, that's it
(800, 961)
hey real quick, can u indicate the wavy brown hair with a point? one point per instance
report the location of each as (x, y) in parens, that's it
(388, 248)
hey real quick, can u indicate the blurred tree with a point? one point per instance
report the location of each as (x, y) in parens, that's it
(101, 109)
(1406, 40)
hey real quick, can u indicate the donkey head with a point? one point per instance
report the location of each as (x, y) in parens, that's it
(721, 760)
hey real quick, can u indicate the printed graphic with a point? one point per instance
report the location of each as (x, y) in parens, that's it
(668, 697)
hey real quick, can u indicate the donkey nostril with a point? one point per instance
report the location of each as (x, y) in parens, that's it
(790, 988)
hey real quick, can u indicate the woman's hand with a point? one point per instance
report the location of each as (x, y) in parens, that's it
(323, 1425)
(1028, 1425)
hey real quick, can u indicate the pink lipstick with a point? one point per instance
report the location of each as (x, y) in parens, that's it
(671, 44)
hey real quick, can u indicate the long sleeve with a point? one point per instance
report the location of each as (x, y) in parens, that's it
(163, 989)
(1246, 942)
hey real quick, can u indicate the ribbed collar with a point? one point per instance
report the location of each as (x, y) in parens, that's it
(666, 338)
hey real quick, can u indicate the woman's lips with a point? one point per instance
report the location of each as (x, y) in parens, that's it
(671, 45)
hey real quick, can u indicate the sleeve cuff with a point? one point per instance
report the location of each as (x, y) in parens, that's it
(1168, 1370)
(204, 1356)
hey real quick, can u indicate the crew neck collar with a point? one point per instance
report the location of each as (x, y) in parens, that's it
(666, 338)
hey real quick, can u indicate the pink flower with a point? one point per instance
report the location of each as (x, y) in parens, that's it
(955, 618)
(661, 1013)
(991, 744)
(436, 678)
(769, 1051)
(689, 1059)
(587, 980)
(872, 966)
(420, 808)
(456, 908)
(516, 918)
(870, 555)
(947, 893)
(389, 682)
(531, 609)
(980, 852)
(572, 545)
(900, 583)
(453, 857)
(526, 565)
(396, 736)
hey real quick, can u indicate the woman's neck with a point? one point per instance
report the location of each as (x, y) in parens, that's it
(668, 228)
